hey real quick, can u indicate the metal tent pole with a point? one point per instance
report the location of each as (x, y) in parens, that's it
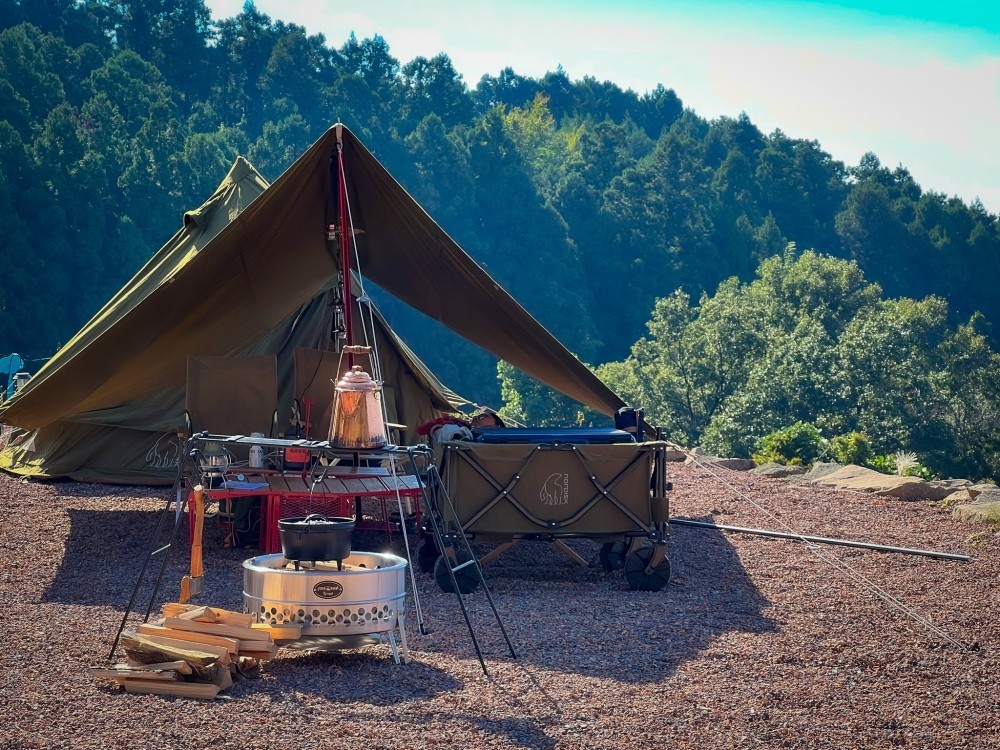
(819, 539)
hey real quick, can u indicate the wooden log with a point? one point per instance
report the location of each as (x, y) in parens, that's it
(221, 653)
(232, 644)
(230, 631)
(224, 616)
(286, 632)
(201, 614)
(200, 690)
(175, 609)
(151, 649)
(118, 674)
(181, 667)
(239, 619)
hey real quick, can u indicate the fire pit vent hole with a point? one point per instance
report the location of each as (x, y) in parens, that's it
(347, 617)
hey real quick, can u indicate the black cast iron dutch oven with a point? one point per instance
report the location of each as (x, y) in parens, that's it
(316, 537)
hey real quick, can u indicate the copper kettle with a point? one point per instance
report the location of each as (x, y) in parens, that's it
(357, 412)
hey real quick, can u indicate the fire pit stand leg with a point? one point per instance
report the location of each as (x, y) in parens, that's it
(401, 647)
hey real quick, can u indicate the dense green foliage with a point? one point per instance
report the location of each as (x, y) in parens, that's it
(595, 206)
(811, 351)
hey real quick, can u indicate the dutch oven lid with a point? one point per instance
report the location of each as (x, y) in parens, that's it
(316, 522)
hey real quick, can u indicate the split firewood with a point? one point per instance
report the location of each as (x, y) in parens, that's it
(221, 654)
(201, 614)
(239, 619)
(147, 650)
(179, 666)
(118, 674)
(175, 609)
(232, 644)
(223, 616)
(285, 632)
(230, 631)
(201, 690)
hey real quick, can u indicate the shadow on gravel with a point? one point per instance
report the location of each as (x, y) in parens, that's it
(584, 620)
(104, 550)
(559, 615)
(367, 676)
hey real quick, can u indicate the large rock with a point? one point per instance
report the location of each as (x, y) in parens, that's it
(978, 512)
(984, 493)
(860, 479)
(941, 489)
(779, 471)
(819, 470)
(697, 455)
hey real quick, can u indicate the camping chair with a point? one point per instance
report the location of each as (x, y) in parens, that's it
(229, 396)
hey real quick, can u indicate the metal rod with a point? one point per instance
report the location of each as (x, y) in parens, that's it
(819, 539)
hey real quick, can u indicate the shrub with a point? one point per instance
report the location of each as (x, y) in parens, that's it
(852, 448)
(886, 464)
(902, 463)
(800, 443)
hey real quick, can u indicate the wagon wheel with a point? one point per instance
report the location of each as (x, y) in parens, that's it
(427, 555)
(468, 578)
(612, 555)
(638, 578)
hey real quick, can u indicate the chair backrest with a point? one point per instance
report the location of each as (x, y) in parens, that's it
(232, 395)
(316, 375)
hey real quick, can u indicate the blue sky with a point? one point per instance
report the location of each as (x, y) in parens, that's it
(918, 83)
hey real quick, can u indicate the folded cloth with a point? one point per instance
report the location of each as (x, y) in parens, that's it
(234, 485)
(442, 432)
(426, 427)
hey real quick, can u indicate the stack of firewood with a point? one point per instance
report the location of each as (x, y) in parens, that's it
(194, 651)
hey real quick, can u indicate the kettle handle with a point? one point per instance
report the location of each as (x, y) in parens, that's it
(357, 349)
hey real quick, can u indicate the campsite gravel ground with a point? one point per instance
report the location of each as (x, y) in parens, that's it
(754, 643)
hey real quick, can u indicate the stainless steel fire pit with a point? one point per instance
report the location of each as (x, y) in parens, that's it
(363, 603)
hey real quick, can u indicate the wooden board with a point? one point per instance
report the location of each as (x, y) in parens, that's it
(195, 654)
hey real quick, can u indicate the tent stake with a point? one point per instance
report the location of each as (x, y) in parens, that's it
(818, 539)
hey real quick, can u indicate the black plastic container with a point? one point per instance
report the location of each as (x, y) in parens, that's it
(316, 537)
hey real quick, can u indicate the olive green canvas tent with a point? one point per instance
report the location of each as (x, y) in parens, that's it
(253, 272)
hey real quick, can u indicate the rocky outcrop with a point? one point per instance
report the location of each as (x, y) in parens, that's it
(778, 471)
(861, 479)
(970, 502)
(985, 506)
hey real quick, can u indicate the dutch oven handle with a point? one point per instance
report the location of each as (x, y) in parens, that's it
(311, 516)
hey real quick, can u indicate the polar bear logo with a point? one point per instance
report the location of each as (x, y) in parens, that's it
(555, 490)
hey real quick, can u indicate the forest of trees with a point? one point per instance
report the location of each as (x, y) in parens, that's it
(633, 228)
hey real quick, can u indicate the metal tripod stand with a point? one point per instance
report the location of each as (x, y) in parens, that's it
(457, 557)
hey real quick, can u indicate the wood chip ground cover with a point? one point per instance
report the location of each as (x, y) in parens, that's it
(754, 643)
